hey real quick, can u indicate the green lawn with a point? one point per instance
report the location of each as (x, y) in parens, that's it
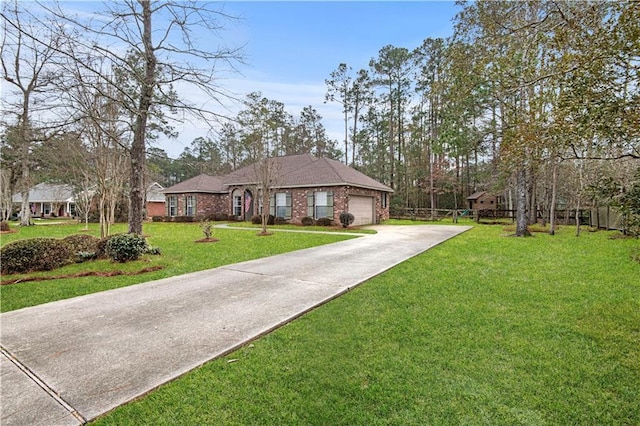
(483, 329)
(180, 254)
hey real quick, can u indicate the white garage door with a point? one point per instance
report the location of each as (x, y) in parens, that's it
(362, 209)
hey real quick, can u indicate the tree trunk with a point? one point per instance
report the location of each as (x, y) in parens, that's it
(136, 177)
(521, 203)
(554, 190)
(25, 135)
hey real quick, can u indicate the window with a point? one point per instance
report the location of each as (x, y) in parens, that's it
(384, 200)
(320, 204)
(280, 205)
(172, 203)
(237, 205)
(190, 205)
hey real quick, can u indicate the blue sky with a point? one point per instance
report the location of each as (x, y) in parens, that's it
(292, 46)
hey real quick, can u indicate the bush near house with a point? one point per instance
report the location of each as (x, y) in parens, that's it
(279, 220)
(346, 219)
(307, 221)
(324, 221)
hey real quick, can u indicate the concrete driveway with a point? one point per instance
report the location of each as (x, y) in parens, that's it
(67, 362)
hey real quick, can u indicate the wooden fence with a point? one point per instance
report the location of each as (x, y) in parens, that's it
(563, 217)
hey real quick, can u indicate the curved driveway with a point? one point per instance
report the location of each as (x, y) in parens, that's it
(67, 362)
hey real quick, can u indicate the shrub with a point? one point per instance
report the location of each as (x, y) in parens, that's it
(279, 220)
(159, 219)
(307, 221)
(101, 247)
(84, 256)
(155, 251)
(82, 247)
(37, 254)
(183, 219)
(220, 217)
(346, 219)
(82, 242)
(324, 221)
(257, 219)
(125, 247)
(4, 226)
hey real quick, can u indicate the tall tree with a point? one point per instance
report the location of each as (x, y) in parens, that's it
(164, 37)
(28, 56)
(339, 88)
(392, 69)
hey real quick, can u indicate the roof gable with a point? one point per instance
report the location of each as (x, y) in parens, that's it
(200, 183)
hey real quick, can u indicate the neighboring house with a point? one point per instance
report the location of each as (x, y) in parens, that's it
(482, 200)
(49, 200)
(155, 200)
(303, 186)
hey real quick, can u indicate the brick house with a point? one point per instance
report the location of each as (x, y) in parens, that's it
(302, 185)
(154, 200)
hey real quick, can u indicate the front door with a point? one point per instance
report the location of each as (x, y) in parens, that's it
(248, 205)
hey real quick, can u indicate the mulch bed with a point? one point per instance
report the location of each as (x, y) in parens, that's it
(83, 274)
(207, 240)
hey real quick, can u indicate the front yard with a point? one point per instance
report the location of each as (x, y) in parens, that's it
(483, 329)
(180, 255)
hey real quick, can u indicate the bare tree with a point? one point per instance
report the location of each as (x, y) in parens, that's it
(28, 55)
(154, 45)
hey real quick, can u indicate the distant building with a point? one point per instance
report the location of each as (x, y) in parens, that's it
(49, 200)
(155, 200)
(482, 200)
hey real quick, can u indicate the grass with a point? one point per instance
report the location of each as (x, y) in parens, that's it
(291, 227)
(483, 329)
(180, 255)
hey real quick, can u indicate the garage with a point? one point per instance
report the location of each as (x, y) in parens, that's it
(362, 209)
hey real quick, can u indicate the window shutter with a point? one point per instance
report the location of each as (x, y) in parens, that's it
(310, 195)
(288, 206)
(195, 206)
(330, 205)
(272, 205)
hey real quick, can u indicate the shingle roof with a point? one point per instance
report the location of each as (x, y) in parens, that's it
(303, 170)
(200, 183)
(476, 195)
(47, 193)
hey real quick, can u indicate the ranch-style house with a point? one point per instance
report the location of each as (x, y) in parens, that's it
(301, 185)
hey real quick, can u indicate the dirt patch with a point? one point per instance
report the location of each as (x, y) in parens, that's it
(207, 240)
(83, 274)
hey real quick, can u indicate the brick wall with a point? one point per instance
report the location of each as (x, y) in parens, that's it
(340, 201)
(208, 204)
